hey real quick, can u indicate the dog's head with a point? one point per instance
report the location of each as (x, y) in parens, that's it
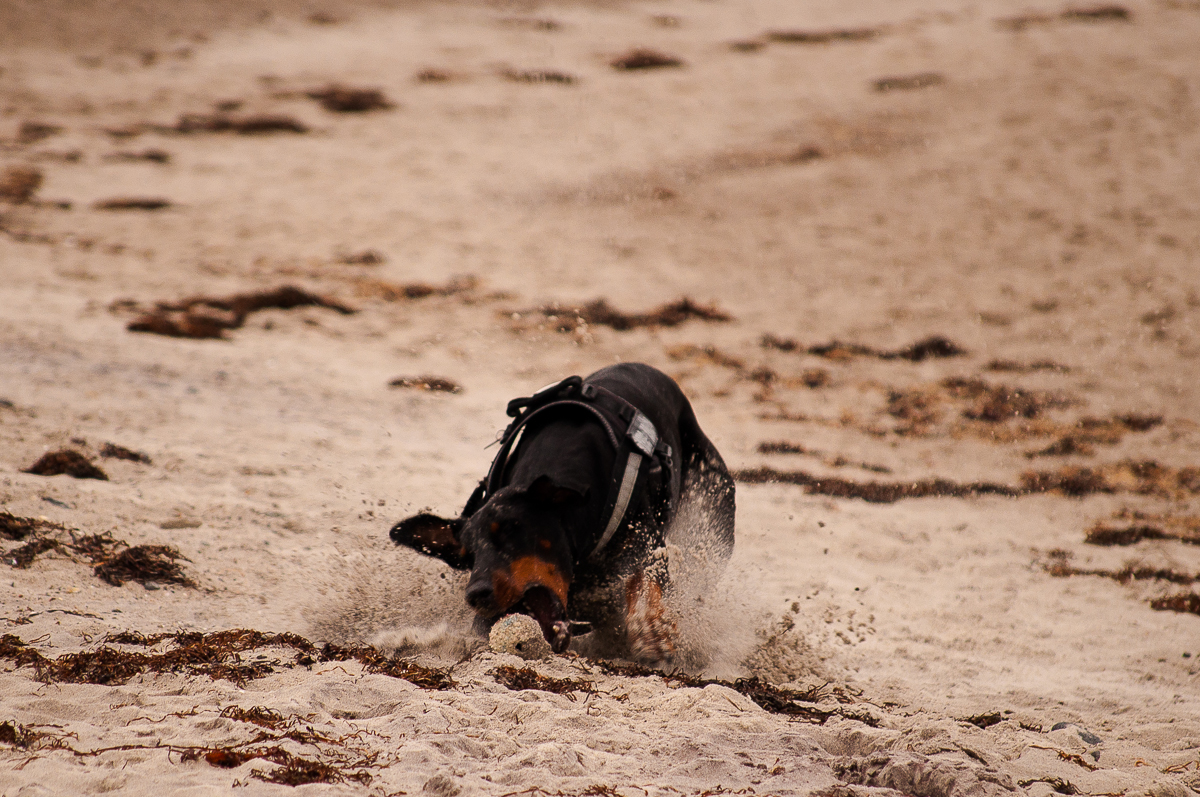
(518, 550)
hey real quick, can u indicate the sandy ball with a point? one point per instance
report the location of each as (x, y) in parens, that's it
(520, 635)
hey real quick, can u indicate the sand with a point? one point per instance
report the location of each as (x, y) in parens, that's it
(1022, 183)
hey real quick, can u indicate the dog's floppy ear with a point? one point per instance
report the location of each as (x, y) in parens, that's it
(548, 490)
(434, 536)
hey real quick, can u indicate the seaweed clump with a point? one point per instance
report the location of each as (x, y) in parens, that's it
(933, 347)
(40, 536)
(348, 99)
(645, 59)
(1144, 477)
(433, 384)
(212, 316)
(874, 492)
(144, 564)
(72, 463)
(215, 655)
(114, 561)
(1184, 602)
(524, 678)
(601, 313)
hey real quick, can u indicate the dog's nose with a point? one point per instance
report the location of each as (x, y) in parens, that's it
(480, 595)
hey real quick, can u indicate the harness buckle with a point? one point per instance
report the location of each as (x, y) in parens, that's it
(642, 434)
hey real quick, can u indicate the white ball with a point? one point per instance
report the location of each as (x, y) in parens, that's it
(520, 635)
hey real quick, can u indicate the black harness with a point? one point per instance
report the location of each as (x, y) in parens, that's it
(632, 435)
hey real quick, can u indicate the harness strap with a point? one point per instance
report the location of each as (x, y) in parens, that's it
(632, 466)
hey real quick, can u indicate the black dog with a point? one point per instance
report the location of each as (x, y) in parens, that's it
(569, 526)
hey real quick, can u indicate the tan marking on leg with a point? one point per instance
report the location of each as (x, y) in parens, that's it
(649, 624)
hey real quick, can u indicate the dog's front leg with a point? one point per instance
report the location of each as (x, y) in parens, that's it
(650, 624)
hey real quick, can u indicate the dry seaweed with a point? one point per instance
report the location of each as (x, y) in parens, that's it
(31, 132)
(374, 661)
(145, 564)
(72, 463)
(94, 547)
(22, 557)
(258, 715)
(258, 124)
(1139, 477)
(347, 99)
(114, 451)
(833, 461)
(215, 655)
(1012, 366)
(211, 316)
(151, 155)
(297, 771)
(1131, 535)
(23, 737)
(525, 678)
(293, 770)
(366, 257)
(1099, 13)
(706, 354)
(432, 75)
(874, 492)
(18, 184)
(44, 536)
(17, 528)
(1000, 403)
(921, 80)
(132, 203)
(1004, 413)
(1059, 567)
(435, 384)
(645, 59)
(395, 292)
(1146, 526)
(747, 45)
(781, 447)
(601, 313)
(97, 549)
(539, 76)
(1058, 784)
(985, 720)
(933, 347)
(1183, 602)
(918, 409)
(824, 36)
(1091, 431)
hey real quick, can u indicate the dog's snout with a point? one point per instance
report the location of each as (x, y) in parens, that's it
(480, 595)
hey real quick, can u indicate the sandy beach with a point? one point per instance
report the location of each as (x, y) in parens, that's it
(929, 273)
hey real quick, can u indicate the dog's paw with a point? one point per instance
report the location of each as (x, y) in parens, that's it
(650, 626)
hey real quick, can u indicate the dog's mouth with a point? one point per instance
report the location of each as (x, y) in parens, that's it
(543, 605)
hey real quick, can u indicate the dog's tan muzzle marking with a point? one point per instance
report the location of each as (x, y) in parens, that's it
(528, 571)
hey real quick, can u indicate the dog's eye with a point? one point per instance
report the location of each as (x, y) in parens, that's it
(546, 544)
(495, 527)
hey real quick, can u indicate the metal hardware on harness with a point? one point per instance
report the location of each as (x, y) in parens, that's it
(644, 437)
(643, 434)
